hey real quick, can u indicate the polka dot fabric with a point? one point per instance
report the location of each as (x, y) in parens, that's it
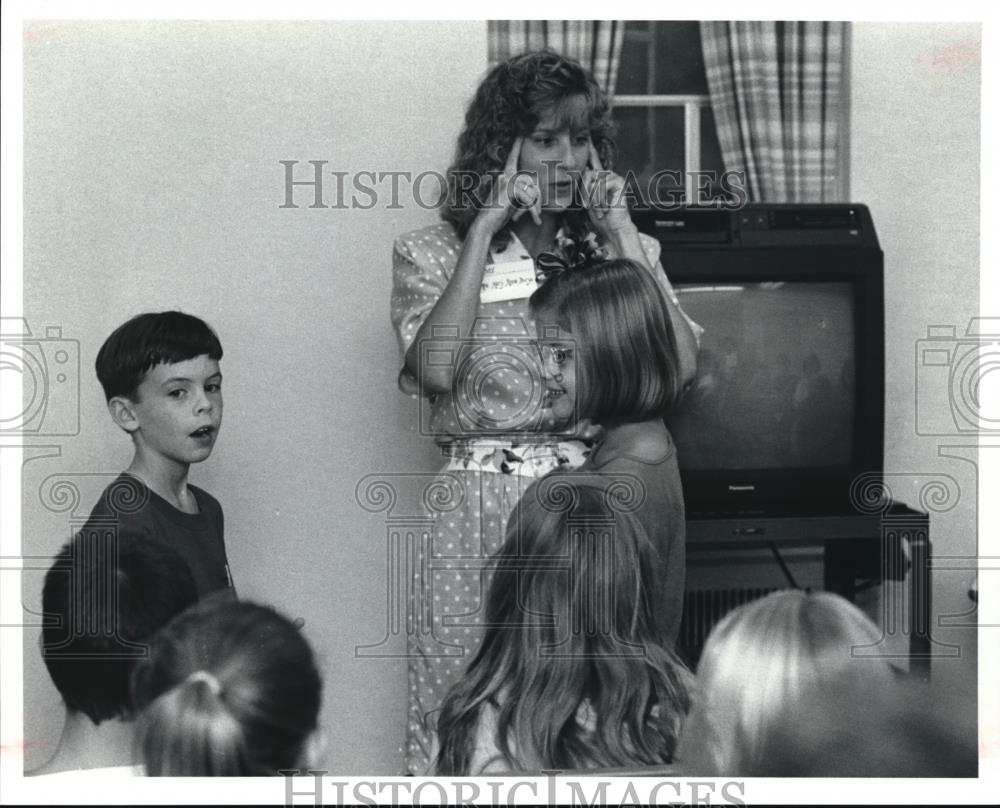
(449, 596)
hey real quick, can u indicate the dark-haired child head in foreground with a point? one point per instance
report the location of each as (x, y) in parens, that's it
(103, 599)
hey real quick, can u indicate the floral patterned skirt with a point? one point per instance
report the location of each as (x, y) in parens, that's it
(449, 589)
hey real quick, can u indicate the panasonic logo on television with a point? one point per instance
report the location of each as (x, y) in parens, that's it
(742, 488)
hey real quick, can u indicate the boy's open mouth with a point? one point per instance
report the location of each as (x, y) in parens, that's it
(203, 432)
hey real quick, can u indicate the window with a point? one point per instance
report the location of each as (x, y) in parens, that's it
(664, 113)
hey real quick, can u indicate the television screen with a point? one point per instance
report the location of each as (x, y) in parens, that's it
(776, 377)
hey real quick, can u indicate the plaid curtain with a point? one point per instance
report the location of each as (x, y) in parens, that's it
(596, 44)
(777, 94)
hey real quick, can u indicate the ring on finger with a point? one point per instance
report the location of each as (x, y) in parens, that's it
(524, 193)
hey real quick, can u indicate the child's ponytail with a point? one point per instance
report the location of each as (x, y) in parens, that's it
(191, 728)
(228, 688)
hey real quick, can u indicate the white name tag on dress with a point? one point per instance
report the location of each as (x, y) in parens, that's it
(508, 280)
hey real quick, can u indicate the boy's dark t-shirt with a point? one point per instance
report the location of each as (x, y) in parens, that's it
(130, 506)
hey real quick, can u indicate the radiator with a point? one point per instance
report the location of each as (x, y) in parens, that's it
(702, 610)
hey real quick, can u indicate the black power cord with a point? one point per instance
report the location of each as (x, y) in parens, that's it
(784, 567)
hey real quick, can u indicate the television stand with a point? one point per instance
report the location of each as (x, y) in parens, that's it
(855, 547)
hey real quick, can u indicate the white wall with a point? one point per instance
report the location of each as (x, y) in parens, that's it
(915, 96)
(152, 181)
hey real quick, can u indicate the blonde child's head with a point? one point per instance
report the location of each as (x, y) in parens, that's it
(760, 662)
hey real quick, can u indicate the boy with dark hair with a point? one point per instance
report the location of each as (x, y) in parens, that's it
(104, 597)
(161, 377)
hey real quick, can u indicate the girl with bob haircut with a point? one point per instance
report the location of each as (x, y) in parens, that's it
(763, 665)
(616, 325)
(530, 181)
(572, 672)
(229, 689)
(609, 353)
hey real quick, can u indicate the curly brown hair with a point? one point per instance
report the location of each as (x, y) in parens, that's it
(509, 103)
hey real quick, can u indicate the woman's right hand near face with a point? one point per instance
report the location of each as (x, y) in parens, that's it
(512, 194)
(456, 309)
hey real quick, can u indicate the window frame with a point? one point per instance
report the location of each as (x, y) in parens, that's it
(692, 105)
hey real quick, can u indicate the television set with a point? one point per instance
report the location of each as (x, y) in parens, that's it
(787, 409)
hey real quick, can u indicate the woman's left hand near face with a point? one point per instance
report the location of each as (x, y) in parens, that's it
(603, 194)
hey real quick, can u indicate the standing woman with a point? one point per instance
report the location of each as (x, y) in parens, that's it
(528, 181)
